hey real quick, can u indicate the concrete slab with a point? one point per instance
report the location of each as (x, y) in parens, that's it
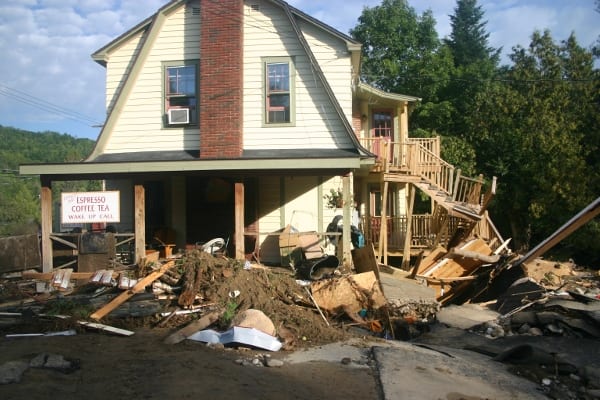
(355, 350)
(465, 316)
(398, 287)
(408, 371)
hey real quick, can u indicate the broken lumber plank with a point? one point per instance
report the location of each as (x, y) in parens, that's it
(106, 328)
(203, 323)
(123, 297)
(457, 253)
(46, 276)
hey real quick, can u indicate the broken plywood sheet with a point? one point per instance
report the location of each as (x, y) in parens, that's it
(449, 276)
(349, 294)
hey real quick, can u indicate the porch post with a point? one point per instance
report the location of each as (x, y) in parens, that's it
(347, 204)
(140, 222)
(240, 251)
(46, 228)
(408, 236)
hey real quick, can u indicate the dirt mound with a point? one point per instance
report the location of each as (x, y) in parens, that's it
(274, 291)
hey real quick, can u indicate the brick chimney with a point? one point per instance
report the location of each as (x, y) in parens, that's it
(221, 78)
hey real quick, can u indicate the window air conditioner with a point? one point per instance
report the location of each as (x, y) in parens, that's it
(179, 116)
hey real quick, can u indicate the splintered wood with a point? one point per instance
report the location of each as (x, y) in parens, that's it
(451, 273)
(123, 297)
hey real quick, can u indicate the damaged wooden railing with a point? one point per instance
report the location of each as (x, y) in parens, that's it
(424, 232)
(417, 157)
(431, 167)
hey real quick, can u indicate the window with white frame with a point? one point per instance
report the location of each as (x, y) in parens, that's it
(181, 93)
(279, 91)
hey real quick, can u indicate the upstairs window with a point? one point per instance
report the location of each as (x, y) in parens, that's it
(279, 91)
(181, 93)
(383, 124)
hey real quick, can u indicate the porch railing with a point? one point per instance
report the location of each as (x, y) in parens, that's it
(423, 231)
(416, 156)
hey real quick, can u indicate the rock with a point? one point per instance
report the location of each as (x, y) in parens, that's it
(493, 329)
(273, 363)
(524, 317)
(346, 360)
(536, 331)
(523, 329)
(57, 361)
(554, 329)
(38, 361)
(256, 319)
(11, 371)
(257, 362)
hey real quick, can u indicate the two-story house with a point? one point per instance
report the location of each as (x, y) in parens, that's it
(234, 119)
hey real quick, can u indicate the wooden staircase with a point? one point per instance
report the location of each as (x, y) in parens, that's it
(417, 163)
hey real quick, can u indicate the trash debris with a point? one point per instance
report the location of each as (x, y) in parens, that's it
(239, 335)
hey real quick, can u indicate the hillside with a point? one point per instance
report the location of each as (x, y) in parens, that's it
(19, 197)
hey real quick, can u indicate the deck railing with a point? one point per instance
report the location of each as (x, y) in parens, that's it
(423, 231)
(416, 156)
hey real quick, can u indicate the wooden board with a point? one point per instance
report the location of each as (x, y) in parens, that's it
(203, 323)
(139, 287)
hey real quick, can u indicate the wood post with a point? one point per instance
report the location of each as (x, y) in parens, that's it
(239, 221)
(46, 228)
(383, 226)
(408, 237)
(140, 222)
(347, 204)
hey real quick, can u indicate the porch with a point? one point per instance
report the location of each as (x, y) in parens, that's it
(458, 202)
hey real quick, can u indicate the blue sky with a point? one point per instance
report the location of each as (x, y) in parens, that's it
(48, 80)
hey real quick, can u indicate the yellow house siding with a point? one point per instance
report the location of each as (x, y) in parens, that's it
(334, 60)
(267, 33)
(140, 123)
(117, 67)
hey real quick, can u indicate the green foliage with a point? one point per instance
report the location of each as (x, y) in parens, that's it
(228, 313)
(19, 197)
(69, 307)
(536, 131)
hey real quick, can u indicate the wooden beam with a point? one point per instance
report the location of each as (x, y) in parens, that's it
(139, 287)
(193, 327)
(582, 217)
(240, 251)
(140, 222)
(383, 226)
(44, 276)
(458, 253)
(408, 237)
(46, 228)
(346, 206)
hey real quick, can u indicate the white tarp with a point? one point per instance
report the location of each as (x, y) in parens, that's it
(238, 334)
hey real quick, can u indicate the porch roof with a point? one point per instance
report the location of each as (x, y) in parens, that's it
(330, 161)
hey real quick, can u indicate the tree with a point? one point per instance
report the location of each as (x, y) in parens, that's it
(533, 129)
(468, 40)
(402, 54)
(19, 196)
(475, 63)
